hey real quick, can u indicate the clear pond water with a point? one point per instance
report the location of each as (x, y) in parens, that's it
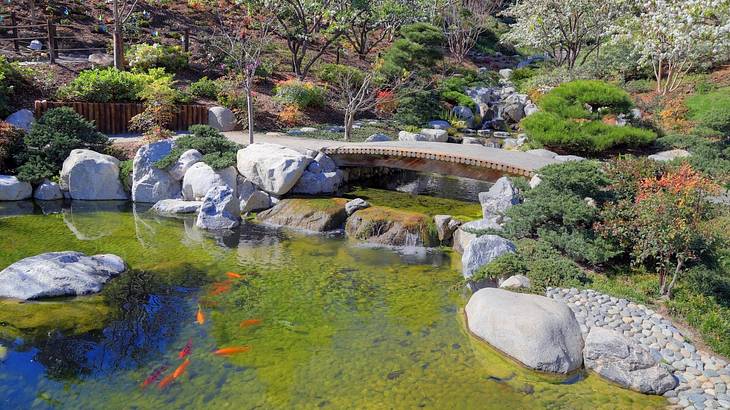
(342, 325)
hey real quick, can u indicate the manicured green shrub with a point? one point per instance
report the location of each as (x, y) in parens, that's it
(569, 100)
(333, 73)
(205, 88)
(300, 94)
(125, 174)
(504, 266)
(108, 85)
(142, 57)
(218, 151)
(51, 140)
(556, 212)
(711, 111)
(591, 137)
(11, 145)
(420, 46)
(416, 107)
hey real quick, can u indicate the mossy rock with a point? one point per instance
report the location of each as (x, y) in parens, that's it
(36, 319)
(393, 227)
(311, 214)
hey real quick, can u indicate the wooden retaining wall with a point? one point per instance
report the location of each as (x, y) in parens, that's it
(113, 118)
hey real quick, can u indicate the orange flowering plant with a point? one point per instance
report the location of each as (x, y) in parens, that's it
(662, 222)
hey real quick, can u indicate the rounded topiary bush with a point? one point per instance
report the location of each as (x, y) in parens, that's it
(578, 117)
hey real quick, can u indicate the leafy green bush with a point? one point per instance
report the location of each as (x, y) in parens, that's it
(711, 111)
(520, 77)
(12, 76)
(125, 174)
(218, 151)
(11, 144)
(537, 260)
(420, 46)
(300, 94)
(51, 140)
(642, 85)
(109, 85)
(142, 57)
(205, 88)
(332, 73)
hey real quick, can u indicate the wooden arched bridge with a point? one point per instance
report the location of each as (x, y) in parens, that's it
(463, 160)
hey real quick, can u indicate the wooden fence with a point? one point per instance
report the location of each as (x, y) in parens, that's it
(55, 37)
(113, 118)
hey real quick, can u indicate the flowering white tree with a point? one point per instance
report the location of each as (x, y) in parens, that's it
(675, 36)
(564, 30)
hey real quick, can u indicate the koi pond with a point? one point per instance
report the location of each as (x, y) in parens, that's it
(297, 321)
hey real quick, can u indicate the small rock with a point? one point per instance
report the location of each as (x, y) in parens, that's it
(221, 118)
(176, 206)
(22, 119)
(356, 205)
(378, 138)
(516, 282)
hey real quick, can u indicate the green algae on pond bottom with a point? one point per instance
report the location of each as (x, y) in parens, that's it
(342, 326)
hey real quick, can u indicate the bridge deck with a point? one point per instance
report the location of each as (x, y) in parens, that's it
(459, 159)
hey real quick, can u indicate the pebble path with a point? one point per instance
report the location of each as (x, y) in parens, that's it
(703, 379)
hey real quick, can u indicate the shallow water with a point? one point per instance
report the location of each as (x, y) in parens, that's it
(343, 325)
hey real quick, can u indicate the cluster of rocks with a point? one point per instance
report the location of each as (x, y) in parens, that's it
(701, 380)
(497, 108)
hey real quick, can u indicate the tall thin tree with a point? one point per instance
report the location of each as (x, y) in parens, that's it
(121, 12)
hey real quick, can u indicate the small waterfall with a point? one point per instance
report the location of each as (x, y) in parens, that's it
(413, 240)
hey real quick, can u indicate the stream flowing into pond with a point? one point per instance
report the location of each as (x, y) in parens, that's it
(342, 325)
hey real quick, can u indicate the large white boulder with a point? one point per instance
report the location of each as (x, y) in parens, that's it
(411, 136)
(89, 175)
(13, 189)
(500, 197)
(149, 183)
(22, 119)
(201, 177)
(187, 159)
(221, 118)
(625, 362)
(58, 274)
(273, 168)
(220, 210)
(101, 59)
(48, 191)
(539, 332)
(176, 206)
(483, 250)
(318, 184)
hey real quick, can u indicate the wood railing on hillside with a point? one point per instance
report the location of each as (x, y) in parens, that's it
(113, 118)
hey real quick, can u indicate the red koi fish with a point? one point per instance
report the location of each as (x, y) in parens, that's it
(200, 316)
(234, 275)
(181, 369)
(228, 351)
(166, 381)
(153, 377)
(221, 287)
(186, 350)
(249, 322)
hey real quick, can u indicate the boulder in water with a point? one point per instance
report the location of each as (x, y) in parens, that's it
(220, 210)
(273, 168)
(391, 227)
(149, 183)
(58, 274)
(48, 191)
(317, 214)
(176, 206)
(13, 189)
(201, 177)
(483, 250)
(91, 176)
(539, 332)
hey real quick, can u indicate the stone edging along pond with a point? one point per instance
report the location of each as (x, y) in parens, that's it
(703, 379)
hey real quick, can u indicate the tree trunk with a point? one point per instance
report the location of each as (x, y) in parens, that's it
(349, 120)
(249, 110)
(118, 39)
(680, 266)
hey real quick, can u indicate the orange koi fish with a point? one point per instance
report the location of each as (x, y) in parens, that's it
(200, 317)
(232, 350)
(181, 369)
(220, 287)
(186, 350)
(153, 377)
(234, 275)
(166, 381)
(249, 322)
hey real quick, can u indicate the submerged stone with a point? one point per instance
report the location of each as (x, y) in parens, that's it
(58, 274)
(317, 214)
(392, 227)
